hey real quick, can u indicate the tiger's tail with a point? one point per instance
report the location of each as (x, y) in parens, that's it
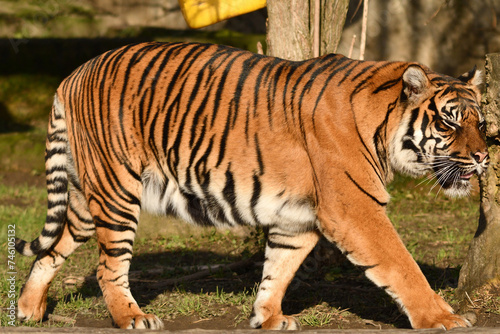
(56, 159)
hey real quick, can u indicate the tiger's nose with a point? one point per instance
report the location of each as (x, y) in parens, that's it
(480, 156)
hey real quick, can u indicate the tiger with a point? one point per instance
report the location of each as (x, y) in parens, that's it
(224, 137)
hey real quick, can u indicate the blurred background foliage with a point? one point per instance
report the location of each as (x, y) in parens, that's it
(42, 41)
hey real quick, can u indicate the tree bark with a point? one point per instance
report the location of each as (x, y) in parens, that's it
(290, 35)
(482, 265)
(291, 27)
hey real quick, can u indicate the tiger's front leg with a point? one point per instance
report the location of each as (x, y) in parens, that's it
(369, 240)
(285, 252)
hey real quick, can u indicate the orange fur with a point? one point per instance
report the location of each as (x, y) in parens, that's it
(221, 137)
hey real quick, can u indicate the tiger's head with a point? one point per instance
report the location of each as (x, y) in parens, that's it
(442, 130)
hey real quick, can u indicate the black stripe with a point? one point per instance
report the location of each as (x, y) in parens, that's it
(78, 216)
(196, 209)
(60, 189)
(259, 155)
(60, 168)
(387, 85)
(223, 140)
(55, 134)
(364, 83)
(221, 85)
(52, 234)
(363, 71)
(276, 65)
(259, 82)
(125, 215)
(257, 188)
(53, 151)
(77, 237)
(173, 152)
(62, 180)
(368, 267)
(364, 191)
(304, 88)
(194, 151)
(114, 252)
(230, 196)
(409, 145)
(272, 244)
(380, 141)
(137, 177)
(52, 204)
(337, 69)
(200, 167)
(288, 80)
(56, 217)
(349, 71)
(151, 65)
(117, 278)
(197, 114)
(113, 227)
(246, 71)
(279, 234)
(35, 247)
(411, 124)
(128, 241)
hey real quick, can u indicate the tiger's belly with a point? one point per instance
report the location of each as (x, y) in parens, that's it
(227, 204)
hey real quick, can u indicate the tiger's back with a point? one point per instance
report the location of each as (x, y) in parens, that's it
(224, 137)
(199, 138)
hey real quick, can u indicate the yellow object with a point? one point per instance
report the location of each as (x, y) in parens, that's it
(202, 13)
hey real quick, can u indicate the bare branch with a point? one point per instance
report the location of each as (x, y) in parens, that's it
(363, 31)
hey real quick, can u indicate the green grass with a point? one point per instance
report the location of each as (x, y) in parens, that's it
(322, 315)
(203, 304)
(78, 304)
(23, 207)
(436, 229)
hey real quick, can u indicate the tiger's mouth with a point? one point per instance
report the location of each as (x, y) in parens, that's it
(454, 180)
(467, 176)
(449, 178)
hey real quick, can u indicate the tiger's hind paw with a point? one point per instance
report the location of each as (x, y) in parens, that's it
(36, 314)
(32, 306)
(141, 321)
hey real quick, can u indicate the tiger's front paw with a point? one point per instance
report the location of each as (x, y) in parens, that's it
(277, 322)
(446, 321)
(439, 314)
(139, 321)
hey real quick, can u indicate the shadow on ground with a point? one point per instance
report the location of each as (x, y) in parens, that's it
(347, 290)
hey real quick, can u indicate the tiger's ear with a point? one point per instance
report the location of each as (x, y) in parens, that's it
(473, 77)
(415, 83)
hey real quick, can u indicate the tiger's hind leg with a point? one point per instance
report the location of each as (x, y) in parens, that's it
(78, 228)
(116, 214)
(284, 255)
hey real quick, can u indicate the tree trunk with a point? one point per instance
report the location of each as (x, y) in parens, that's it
(290, 27)
(482, 265)
(290, 35)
